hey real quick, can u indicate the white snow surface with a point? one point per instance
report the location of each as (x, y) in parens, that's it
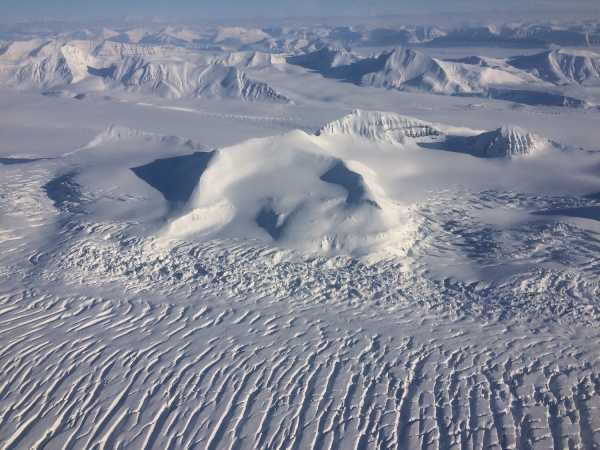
(331, 265)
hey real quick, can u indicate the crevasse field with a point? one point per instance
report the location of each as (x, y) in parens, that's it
(300, 237)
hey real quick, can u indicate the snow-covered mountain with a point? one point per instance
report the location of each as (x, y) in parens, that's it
(78, 67)
(324, 59)
(182, 79)
(521, 80)
(407, 69)
(172, 35)
(324, 192)
(540, 34)
(292, 190)
(561, 66)
(505, 142)
(391, 128)
(153, 70)
(379, 126)
(49, 64)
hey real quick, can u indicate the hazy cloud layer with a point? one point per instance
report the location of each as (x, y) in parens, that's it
(201, 9)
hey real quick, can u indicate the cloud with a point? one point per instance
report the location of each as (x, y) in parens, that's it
(201, 9)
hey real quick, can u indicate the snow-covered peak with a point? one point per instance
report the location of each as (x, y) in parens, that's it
(379, 126)
(408, 69)
(291, 191)
(407, 64)
(508, 142)
(220, 81)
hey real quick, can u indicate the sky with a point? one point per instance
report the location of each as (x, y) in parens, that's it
(207, 9)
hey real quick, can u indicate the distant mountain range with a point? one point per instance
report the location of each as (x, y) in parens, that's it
(299, 38)
(153, 70)
(186, 62)
(412, 70)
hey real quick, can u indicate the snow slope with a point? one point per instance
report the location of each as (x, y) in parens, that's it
(295, 192)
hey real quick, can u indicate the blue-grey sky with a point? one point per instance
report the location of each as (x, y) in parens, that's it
(200, 9)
